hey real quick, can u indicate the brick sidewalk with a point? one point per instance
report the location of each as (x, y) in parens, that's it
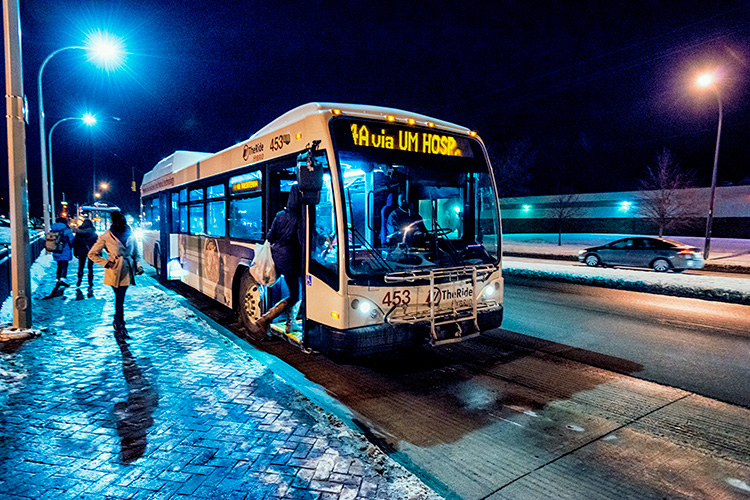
(176, 411)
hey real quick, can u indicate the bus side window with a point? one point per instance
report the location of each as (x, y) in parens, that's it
(245, 218)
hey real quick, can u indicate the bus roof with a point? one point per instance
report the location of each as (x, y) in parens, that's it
(358, 110)
(174, 163)
(180, 160)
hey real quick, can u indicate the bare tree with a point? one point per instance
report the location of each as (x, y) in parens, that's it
(565, 207)
(512, 169)
(663, 198)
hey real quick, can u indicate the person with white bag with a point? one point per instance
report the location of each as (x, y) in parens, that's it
(286, 236)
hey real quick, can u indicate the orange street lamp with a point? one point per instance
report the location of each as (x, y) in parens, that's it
(709, 80)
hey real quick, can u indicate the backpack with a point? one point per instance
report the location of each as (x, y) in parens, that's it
(53, 242)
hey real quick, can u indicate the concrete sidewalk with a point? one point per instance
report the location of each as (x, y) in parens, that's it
(179, 410)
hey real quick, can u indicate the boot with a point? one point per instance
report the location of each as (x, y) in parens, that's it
(120, 331)
(291, 319)
(261, 326)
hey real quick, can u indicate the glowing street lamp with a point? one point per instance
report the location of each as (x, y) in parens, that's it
(103, 49)
(709, 80)
(89, 120)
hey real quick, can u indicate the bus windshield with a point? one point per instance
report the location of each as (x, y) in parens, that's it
(415, 199)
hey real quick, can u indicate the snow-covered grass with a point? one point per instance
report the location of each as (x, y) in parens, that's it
(701, 286)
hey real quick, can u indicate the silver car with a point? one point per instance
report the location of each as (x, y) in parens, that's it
(657, 253)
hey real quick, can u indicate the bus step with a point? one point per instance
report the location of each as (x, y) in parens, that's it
(451, 340)
(295, 336)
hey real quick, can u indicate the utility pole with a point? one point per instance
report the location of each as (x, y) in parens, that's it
(19, 200)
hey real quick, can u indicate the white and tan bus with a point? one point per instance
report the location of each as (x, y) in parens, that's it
(367, 287)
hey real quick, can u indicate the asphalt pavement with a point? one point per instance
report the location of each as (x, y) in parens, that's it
(178, 410)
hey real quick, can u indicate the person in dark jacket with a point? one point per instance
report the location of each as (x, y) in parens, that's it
(64, 256)
(84, 239)
(286, 236)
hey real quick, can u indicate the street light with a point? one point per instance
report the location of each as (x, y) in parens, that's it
(90, 121)
(709, 80)
(108, 52)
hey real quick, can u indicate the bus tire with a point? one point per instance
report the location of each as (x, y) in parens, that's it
(250, 304)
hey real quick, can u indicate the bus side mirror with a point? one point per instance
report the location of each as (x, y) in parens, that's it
(309, 175)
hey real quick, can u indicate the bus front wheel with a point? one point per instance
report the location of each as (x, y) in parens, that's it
(249, 307)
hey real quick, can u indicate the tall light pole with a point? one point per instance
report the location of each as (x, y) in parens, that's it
(103, 48)
(709, 80)
(15, 117)
(90, 121)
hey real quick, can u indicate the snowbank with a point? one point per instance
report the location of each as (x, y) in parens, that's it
(700, 286)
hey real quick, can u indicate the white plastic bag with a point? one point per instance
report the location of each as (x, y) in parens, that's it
(263, 270)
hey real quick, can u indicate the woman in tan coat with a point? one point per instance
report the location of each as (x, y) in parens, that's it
(121, 265)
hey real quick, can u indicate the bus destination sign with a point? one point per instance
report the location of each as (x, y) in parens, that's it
(402, 139)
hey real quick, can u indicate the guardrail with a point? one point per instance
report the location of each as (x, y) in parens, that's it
(36, 245)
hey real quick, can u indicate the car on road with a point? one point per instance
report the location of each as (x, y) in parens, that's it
(660, 254)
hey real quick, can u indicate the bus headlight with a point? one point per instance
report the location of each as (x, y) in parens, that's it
(366, 308)
(491, 291)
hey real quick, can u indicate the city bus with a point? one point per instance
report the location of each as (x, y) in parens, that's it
(367, 286)
(98, 212)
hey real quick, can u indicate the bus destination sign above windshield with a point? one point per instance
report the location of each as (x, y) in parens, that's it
(403, 139)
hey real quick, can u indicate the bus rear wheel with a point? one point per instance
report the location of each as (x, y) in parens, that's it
(250, 307)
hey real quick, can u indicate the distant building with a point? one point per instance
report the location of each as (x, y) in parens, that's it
(622, 212)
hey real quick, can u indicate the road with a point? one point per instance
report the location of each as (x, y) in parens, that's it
(695, 345)
(509, 416)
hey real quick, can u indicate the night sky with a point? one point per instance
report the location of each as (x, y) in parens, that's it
(593, 89)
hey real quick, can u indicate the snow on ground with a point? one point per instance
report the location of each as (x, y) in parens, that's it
(701, 286)
(724, 288)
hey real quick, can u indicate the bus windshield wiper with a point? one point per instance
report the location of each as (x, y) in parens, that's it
(358, 236)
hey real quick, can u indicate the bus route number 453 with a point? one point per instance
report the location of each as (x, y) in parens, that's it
(397, 298)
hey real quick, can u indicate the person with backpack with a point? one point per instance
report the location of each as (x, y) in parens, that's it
(84, 239)
(62, 252)
(121, 265)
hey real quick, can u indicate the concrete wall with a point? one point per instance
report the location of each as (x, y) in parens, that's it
(621, 212)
